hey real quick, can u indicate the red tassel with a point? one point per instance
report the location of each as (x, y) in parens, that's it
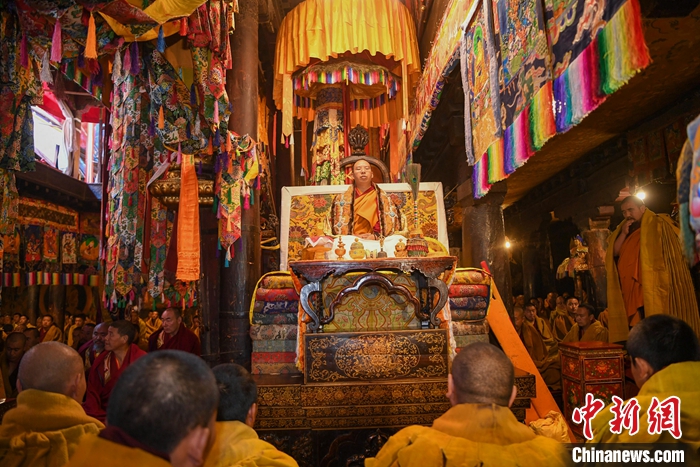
(216, 111)
(183, 26)
(57, 43)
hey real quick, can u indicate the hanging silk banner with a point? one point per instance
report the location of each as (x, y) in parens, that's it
(525, 93)
(482, 109)
(596, 49)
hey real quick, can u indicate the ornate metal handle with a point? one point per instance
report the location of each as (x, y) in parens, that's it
(442, 299)
(304, 296)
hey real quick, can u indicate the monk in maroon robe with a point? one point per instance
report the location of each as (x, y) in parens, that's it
(119, 353)
(174, 335)
(94, 347)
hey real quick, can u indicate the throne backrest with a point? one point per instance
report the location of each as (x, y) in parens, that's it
(306, 212)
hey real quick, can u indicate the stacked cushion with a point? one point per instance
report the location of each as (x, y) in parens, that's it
(469, 301)
(273, 330)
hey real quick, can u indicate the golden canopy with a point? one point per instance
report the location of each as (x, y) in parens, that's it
(324, 29)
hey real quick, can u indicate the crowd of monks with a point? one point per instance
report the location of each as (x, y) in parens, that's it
(168, 407)
(136, 391)
(543, 324)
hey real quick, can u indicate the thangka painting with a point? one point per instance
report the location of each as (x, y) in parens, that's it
(68, 249)
(306, 212)
(89, 249)
(524, 55)
(12, 243)
(33, 243)
(480, 70)
(50, 244)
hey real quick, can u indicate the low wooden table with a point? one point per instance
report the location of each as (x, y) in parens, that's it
(339, 425)
(425, 272)
(594, 367)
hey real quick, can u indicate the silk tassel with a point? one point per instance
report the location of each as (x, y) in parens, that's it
(56, 43)
(161, 40)
(161, 118)
(183, 26)
(91, 41)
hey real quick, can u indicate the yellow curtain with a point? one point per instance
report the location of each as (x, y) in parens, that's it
(324, 29)
(161, 11)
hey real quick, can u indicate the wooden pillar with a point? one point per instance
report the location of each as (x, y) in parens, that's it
(209, 285)
(530, 271)
(239, 279)
(484, 237)
(597, 240)
(33, 303)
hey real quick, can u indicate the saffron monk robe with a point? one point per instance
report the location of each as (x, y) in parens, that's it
(587, 328)
(540, 344)
(49, 331)
(665, 358)
(153, 323)
(45, 427)
(561, 320)
(120, 352)
(161, 414)
(479, 429)
(646, 271)
(237, 443)
(174, 335)
(365, 209)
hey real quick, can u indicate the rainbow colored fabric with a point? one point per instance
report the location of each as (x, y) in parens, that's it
(593, 50)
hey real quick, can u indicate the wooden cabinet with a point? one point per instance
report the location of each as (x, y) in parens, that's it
(594, 367)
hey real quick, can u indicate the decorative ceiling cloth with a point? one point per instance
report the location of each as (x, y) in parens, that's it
(374, 92)
(325, 29)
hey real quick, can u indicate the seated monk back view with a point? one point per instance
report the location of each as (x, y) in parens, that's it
(479, 429)
(237, 443)
(161, 414)
(48, 422)
(364, 209)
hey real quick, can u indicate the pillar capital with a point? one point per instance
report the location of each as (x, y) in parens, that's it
(496, 195)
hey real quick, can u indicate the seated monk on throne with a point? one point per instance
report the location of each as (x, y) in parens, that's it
(364, 210)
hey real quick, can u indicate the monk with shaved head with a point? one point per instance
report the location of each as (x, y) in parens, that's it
(94, 347)
(48, 420)
(479, 429)
(9, 362)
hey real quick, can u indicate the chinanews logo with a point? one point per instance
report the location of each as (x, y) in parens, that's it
(661, 416)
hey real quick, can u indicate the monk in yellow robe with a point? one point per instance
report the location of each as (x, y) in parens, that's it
(646, 271)
(237, 443)
(364, 209)
(44, 428)
(49, 331)
(153, 323)
(541, 345)
(153, 417)
(664, 351)
(561, 320)
(587, 328)
(479, 429)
